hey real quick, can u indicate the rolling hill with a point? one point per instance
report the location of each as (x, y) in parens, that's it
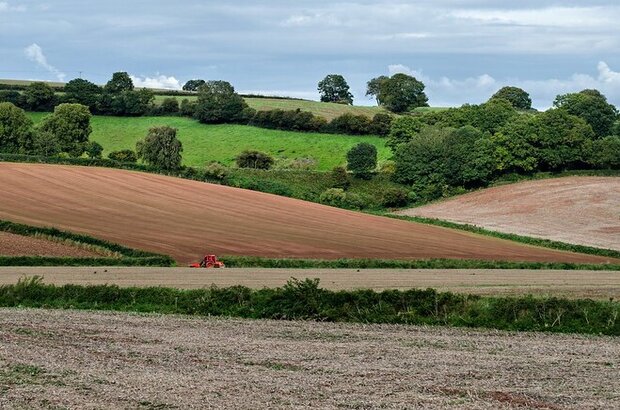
(185, 219)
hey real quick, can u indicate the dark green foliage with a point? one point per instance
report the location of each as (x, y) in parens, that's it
(469, 160)
(340, 178)
(254, 159)
(362, 160)
(125, 155)
(187, 108)
(93, 149)
(401, 93)
(334, 88)
(45, 143)
(381, 124)
(591, 106)
(373, 87)
(70, 124)
(161, 148)
(219, 103)
(39, 96)
(293, 120)
(83, 92)
(193, 85)
(488, 117)
(270, 187)
(169, 106)
(516, 96)
(395, 197)
(305, 300)
(16, 131)
(606, 153)
(13, 97)
(120, 81)
(350, 124)
(402, 131)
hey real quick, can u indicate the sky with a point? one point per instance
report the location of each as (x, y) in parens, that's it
(463, 50)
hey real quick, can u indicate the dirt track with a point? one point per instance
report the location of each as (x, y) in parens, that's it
(68, 359)
(581, 210)
(185, 218)
(572, 284)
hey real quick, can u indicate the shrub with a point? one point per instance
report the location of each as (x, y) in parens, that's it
(15, 129)
(45, 143)
(394, 197)
(254, 159)
(216, 171)
(334, 197)
(70, 123)
(39, 96)
(13, 97)
(270, 187)
(169, 106)
(340, 178)
(125, 155)
(161, 148)
(187, 108)
(381, 124)
(606, 153)
(297, 164)
(350, 124)
(362, 159)
(94, 149)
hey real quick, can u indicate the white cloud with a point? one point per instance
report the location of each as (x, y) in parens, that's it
(35, 53)
(313, 19)
(5, 6)
(547, 17)
(445, 91)
(160, 81)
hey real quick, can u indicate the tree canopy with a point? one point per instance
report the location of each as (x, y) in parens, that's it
(192, 85)
(161, 148)
(334, 88)
(70, 124)
(401, 93)
(219, 103)
(593, 107)
(516, 96)
(120, 81)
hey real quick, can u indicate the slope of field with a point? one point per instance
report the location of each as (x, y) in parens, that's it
(573, 284)
(183, 219)
(71, 359)
(205, 143)
(580, 210)
(17, 245)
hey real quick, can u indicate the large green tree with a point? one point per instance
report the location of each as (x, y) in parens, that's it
(83, 92)
(593, 107)
(161, 148)
(373, 87)
(70, 124)
(334, 88)
(518, 97)
(401, 93)
(120, 81)
(362, 159)
(39, 96)
(219, 103)
(16, 132)
(193, 85)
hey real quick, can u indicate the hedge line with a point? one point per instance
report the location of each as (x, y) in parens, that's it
(304, 300)
(130, 257)
(545, 243)
(258, 262)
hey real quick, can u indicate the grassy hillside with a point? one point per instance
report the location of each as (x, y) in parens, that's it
(204, 143)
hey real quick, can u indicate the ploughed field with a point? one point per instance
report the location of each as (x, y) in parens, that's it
(185, 219)
(18, 245)
(579, 210)
(70, 359)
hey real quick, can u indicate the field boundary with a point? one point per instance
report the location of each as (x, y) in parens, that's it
(126, 256)
(305, 300)
(527, 240)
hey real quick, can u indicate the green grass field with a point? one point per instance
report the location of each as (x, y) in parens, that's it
(205, 143)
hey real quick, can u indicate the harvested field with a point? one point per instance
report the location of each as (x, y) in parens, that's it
(579, 210)
(495, 282)
(18, 245)
(185, 218)
(69, 359)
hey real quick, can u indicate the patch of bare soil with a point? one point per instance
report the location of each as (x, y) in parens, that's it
(69, 359)
(18, 245)
(185, 219)
(580, 210)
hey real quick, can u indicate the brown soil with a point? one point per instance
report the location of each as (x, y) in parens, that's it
(17, 245)
(571, 284)
(580, 210)
(69, 359)
(185, 219)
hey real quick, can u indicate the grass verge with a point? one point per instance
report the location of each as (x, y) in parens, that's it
(304, 300)
(258, 262)
(127, 256)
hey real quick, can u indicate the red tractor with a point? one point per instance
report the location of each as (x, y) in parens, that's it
(209, 261)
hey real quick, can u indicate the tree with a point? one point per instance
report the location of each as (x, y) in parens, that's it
(12, 96)
(169, 106)
(401, 93)
(381, 124)
(373, 87)
(124, 155)
(516, 96)
(254, 159)
(192, 85)
(402, 131)
(218, 103)
(422, 160)
(83, 92)
(593, 107)
(161, 148)
(70, 124)
(606, 153)
(468, 159)
(93, 150)
(121, 81)
(46, 144)
(339, 178)
(362, 159)
(15, 129)
(39, 96)
(334, 88)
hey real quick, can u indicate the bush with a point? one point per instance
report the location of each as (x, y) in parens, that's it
(297, 164)
(161, 148)
(216, 171)
(16, 132)
(362, 159)
(293, 120)
(13, 97)
(70, 123)
(94, 149)
(606, 153)
(169, 106)
(334, 197)
(255, 160)
(125, 155)
(381, 124)
(187, 108)
(270, 187)
(340, 178)
(350, 124)
(39, 96)
(395, 197)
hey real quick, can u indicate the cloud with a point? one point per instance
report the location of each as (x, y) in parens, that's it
(569, 17)
(446, 91)
(5, 6)
(313, 20)
(160, 81)
(35, 53)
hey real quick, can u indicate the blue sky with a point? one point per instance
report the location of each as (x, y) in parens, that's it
(463, 50)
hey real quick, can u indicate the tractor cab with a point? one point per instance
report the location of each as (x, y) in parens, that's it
(209, 261)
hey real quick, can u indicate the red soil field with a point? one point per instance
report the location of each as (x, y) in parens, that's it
(185, 219)
(580, 210)
(18, 245)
